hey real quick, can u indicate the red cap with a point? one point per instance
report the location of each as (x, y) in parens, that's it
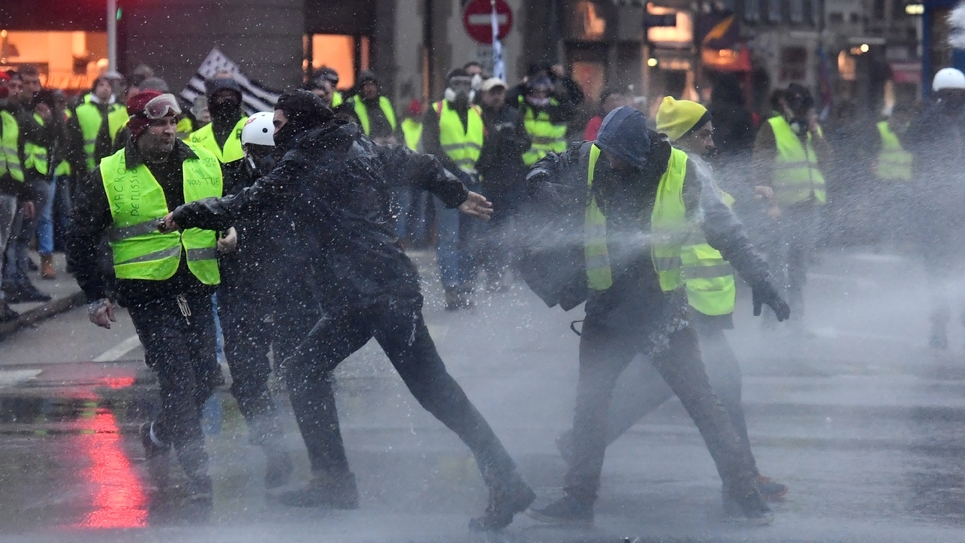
(135, 108)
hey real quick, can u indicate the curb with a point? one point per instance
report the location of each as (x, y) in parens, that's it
(42, 312)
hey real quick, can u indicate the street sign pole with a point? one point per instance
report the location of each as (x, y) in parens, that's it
(112, 35)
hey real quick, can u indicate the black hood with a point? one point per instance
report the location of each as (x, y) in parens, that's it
(304, 111)
(625, 135)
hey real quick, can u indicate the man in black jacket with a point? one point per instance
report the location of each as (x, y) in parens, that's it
(338, 184)
(632, 307)
(501, 171)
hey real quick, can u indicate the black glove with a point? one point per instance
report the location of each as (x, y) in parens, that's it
(765, 293)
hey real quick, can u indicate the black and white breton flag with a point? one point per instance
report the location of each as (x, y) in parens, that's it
(254, 97)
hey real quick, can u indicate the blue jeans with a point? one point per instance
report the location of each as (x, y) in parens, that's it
(410, 222)
(458, 246)
(45, 224)
(16, 267)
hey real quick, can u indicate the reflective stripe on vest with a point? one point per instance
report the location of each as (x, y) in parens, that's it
(35, 156)
(137, 202)
(894, 163)
(9, 140)
(461, 144)
(412, 132)
(232, 151)
(363, 114)
(668, 223)
(546, 136)
(797, 177)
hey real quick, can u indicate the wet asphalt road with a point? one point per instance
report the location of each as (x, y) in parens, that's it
(852, 410)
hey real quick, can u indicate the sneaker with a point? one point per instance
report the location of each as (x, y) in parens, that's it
(770, 490)
(7, 314)
(278, 468)
(506, 498)
(568, 511)
(324, 490)
(25, 294)
(155, 456)
(750, 507)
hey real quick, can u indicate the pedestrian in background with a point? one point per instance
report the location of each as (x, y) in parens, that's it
(610, 99)
(453, 132)
(502, 174)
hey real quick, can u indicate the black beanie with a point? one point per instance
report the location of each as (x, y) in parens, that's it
(303, 109)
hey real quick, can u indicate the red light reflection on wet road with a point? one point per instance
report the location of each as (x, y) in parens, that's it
(119, 500)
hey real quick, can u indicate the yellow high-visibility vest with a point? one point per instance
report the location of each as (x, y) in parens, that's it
(546, 136)
(363, 114)
(669, 228)
(34, 156)
(9, 141)
(91, 120)
(232, 150)
(412, 132)
(137, 202)
(708, 278)
(894, 163)
(461, 144)
(797, 177)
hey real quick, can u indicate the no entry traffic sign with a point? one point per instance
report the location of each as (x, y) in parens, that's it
(477, 18)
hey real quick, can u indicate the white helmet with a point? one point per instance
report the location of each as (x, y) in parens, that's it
(259, 130)
(948, 78)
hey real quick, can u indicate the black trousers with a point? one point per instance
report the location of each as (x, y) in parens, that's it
(641, 390)
(605, 351)
(398, 326)
(181, 351)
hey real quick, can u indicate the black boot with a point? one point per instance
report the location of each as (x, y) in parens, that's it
(568, 510)
(325, 490)
(156, 458)
(506, 498)
(751, 506)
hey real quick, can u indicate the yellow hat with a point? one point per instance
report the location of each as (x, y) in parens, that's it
(676, 118)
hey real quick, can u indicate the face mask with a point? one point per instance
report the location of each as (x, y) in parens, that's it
(223, 110)
(285, 134)
(459, 97)
(538, 102)
(477, 82)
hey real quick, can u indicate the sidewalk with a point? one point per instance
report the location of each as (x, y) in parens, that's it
(64, 293)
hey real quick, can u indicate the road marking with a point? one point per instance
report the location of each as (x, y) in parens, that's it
(833, 333)
(119, 350)
(10, 378)
(871, 257)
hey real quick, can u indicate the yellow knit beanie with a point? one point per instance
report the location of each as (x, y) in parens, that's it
(676, 118)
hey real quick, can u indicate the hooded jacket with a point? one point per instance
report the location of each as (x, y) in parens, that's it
(557, 192)
(336, 185)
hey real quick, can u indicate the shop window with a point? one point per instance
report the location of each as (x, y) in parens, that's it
(794, 61)
(774, 11)
(797, 11)
(345, 54)
(752, 10)
(66, 60)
